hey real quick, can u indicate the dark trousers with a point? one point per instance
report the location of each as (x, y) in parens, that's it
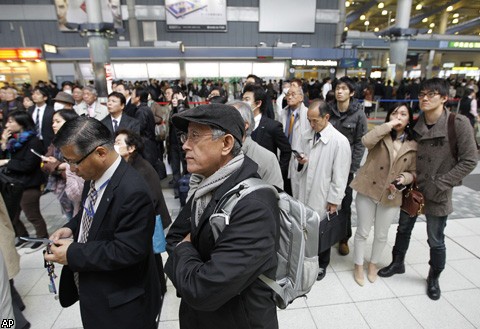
(18, 306)
(176, 159)
(324, 258)
(436, 238)
(404, 232)
(30, 204)
(346, 209)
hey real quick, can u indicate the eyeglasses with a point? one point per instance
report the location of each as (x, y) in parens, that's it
(193, 137)
(430, 94)
(77, 163)
(292, 94)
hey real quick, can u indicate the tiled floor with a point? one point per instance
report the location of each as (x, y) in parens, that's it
(335, 302)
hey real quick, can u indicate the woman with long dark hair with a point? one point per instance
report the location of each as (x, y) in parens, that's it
(18, 139)
(390, 165)
(129, 145)
(59, 171)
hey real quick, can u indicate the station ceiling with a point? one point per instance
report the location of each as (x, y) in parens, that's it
(463, 16)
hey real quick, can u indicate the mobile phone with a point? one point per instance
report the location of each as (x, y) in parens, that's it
(37, 154)
(398, 186)
(297, 155)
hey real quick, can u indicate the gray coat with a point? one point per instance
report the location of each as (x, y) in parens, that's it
(437, 171)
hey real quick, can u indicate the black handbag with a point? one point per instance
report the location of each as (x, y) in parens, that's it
(11, 190)
(333, 228)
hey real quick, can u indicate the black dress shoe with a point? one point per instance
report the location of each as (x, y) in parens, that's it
(321, 273)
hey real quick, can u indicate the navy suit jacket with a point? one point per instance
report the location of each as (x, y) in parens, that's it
(47, 120)
(127, 122)
(118, 280)
(270, 135)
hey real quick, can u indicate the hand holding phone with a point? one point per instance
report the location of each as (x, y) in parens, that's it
(297, 155)
(398, 186)
(38, 154)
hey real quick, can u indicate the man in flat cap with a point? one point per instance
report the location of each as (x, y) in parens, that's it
(218, 280)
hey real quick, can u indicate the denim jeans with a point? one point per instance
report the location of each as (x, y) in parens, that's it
(436, 238)
(404, 231)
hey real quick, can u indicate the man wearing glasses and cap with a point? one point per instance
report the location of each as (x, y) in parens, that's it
(106, 249)
(218, 280)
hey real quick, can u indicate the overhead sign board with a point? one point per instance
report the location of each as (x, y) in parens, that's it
(311, 62)
(16, 54)
(196, 15)
(464, 44)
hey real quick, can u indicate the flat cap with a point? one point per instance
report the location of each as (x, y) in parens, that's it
(64, 98)
(221, 116)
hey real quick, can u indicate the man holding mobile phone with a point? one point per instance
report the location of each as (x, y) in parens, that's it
(323, 165)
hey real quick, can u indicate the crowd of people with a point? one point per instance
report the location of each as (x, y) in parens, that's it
(104, 163)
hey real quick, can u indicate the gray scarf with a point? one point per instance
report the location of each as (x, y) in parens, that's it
(204, 187)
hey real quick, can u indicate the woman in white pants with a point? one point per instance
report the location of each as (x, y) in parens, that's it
(390, 165)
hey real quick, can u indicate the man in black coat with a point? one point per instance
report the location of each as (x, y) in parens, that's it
(106, 249)
(268, 132)
(117, 119)
(218, 280)
(42, 115)
(147, 124)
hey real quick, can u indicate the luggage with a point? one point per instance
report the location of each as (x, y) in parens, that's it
(297, 253)
(11, 190)
(333, 228)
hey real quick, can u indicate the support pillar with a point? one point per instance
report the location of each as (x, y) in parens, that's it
(133, 24)
(399, 47)
(341, 23)
(431, 56)
(442, 27)
(98, 45)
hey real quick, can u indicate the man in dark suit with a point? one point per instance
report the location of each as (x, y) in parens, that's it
(147, 124)
(130, 108)
(106, 249)
(117, 119)
(267, 132)
(42, 115)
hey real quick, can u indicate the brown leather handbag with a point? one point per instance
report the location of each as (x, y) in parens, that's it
(412, 200)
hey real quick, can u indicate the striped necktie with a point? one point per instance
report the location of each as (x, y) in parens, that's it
(37, 121)
(89, 212)
(115, 125)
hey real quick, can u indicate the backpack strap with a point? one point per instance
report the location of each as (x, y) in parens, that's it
(229, 200)
(452, 136)
(272, 284)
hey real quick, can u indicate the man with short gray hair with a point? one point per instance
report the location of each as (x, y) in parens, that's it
(93, 108)
(268, 166)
